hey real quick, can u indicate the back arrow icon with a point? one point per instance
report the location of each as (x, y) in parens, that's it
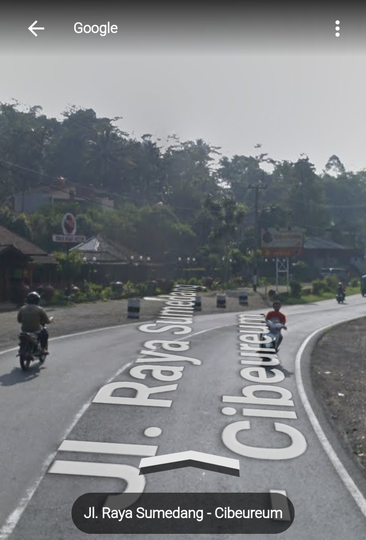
(32, 28)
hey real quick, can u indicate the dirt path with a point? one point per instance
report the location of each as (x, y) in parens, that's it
(88, 316)
(339, 378)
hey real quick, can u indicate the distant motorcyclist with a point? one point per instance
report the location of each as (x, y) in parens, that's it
(341, 290)
(33, 317)
(276, 316)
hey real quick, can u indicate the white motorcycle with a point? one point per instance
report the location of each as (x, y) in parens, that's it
(274, 333)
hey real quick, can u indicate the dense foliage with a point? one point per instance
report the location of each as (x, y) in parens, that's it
(180, 200)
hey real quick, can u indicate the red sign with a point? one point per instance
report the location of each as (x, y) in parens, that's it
(283, 252)
(69, 224)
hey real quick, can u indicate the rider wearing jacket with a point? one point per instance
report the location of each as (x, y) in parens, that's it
(33, 317)
(276, 314)
(341, 290)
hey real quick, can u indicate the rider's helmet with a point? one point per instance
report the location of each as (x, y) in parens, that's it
(276, 303)
(340, 284)
(33, 298)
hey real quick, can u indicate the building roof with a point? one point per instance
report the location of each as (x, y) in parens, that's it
(81, 190)
(105, 250)
(8, 238)
(42, 259)
(4, 249)
(313, 242)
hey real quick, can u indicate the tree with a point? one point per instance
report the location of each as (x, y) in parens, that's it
(69, 264)
(24, 136)
(335, 166)
(301, 195)
(188, 177)
(226, 215)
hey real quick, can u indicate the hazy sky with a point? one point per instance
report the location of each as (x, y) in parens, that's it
(290, 85)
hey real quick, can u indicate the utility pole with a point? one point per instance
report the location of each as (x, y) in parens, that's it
(256, 234)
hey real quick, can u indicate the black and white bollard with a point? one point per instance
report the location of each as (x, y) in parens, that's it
(221, 300)
(198, 303)
(243, 298)
(133, 308)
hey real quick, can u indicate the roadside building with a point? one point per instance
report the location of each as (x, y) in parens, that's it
(321, 253)
(21, 260)
(106, 261)
(30, 201)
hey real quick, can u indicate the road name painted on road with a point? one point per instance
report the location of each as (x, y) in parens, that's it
(176, 316)
(261, 370)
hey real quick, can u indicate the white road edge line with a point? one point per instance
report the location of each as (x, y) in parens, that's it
(78, 334)
(15, 516)
(146, 322)
(345, 477)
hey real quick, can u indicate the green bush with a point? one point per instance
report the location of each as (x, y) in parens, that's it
(80, 297)
(216, 285)
(295, 287)
(355, 282)
(238, 282)
(271, 294)
(331, 283)
(207, 282)
(59, 298)
(129, 290)
(282, 297)
(318, 286)
(231, 284)
(107, 293)
(326, 285)
(95, 288)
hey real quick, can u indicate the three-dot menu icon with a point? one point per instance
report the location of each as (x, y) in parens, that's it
(337, 28)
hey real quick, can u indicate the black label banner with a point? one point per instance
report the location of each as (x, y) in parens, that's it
(183, 513)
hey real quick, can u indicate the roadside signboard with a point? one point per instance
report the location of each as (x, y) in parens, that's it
(68, 224)
(273, 238)
(68, 238)
(283, 252)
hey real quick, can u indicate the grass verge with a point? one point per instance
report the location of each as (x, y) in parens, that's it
(311, 298)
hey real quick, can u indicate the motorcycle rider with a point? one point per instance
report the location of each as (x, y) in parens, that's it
(276, 316)
(33, 317)
(341, 290)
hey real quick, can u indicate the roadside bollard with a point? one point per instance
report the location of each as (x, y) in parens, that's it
(243, 298)
(133, 308)
(221, 300)
(197, 303)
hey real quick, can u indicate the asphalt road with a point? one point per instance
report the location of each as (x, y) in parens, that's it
(44, 408)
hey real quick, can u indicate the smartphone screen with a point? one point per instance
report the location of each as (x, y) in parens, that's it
(178, 167)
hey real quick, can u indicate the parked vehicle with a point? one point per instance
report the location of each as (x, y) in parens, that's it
(29, 350)
(340, 273)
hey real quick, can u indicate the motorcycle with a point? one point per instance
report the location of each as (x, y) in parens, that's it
(363, 285)
(30, 349)
(274, 333)
(340, 297)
